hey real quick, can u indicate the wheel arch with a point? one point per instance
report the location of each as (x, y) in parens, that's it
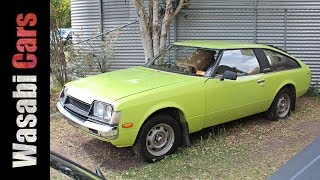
(177, 113)
(292, 88)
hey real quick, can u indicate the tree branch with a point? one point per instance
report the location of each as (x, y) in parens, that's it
(139, 4)
(150, 24)
(168, 17)
(165, 23)
(179, 7)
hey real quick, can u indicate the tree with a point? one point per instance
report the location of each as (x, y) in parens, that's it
(60, 14)
(154, 25)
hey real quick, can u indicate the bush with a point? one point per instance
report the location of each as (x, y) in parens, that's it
(85, 57)
(58, 63)
(314, 90)
(97, 59)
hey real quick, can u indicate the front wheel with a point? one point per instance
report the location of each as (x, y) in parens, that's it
(158, 137)
(281, 105)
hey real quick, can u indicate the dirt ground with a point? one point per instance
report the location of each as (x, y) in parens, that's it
(260, 142)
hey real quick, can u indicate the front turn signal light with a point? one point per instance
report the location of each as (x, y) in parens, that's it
(127, 125)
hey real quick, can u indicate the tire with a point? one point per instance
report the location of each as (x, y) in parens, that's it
(151, 145)
(282, 105)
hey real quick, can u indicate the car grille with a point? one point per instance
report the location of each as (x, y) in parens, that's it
(80, 109)
(79, 104)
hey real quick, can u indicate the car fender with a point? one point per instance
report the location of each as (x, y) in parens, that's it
(284, 83)
(159, 106)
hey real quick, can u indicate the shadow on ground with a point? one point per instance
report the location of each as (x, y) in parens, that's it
(114, 158)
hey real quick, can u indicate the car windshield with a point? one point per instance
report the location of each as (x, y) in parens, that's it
(184, 60)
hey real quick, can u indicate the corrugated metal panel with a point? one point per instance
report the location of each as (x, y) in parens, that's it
(235, 24)
(219, 19)
(85, 22)
(290, 4)
(289, 24)
(128, 50)
(303, 38)
(115, 13)
(296, 30)
(215, 4)
(270, 27)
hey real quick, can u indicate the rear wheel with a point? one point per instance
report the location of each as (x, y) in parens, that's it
(158, 137)
(281, 105)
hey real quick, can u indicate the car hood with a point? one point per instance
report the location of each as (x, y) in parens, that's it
(111, 86)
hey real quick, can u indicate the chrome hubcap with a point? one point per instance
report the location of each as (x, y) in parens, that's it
(160, 139)
(283, 106)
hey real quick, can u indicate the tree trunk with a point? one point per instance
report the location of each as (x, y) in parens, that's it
(156, 27)
(166, 23)
(147, 44)
(154, 34)
(144, 29)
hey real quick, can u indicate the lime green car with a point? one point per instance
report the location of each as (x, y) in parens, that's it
(189, 86)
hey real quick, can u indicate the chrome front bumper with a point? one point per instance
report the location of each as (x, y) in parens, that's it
(103, 131)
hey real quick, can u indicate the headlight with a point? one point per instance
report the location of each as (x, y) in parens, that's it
(102, 110)
(63, 95)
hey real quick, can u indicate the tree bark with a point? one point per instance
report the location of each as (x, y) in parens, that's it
(150, 20)
(156, 27)
(168, 17)
(166, 23)
(154, 34)
(144, 29)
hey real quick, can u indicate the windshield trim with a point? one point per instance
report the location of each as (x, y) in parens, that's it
(156, 56)
(216, 64)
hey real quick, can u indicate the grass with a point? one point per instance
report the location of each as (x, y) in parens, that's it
(56, 175)
(248, 148)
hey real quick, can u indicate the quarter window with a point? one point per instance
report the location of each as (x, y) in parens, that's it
(242, 61)
(280, 62)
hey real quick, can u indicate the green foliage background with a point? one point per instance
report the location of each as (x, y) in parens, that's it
(60, 14)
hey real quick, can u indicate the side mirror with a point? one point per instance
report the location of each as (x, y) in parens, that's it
(229, 75)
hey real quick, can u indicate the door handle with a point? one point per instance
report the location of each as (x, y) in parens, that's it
(261, 81)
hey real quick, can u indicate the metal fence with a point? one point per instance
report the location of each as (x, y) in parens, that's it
(295, 30)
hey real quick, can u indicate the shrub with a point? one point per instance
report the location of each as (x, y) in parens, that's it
(88, 57)
(58, 63)
(84, 58)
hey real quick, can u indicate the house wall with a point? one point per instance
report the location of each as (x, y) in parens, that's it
(293, 25)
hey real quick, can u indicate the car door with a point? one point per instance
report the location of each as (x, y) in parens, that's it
(231, 99)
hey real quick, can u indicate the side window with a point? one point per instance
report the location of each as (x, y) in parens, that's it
(242, 61)
(280, 62)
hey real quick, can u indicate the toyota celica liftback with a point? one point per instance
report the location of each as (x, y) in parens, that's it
(189, 86)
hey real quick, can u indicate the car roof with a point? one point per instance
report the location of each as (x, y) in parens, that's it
(227, 44)
(220, 44)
